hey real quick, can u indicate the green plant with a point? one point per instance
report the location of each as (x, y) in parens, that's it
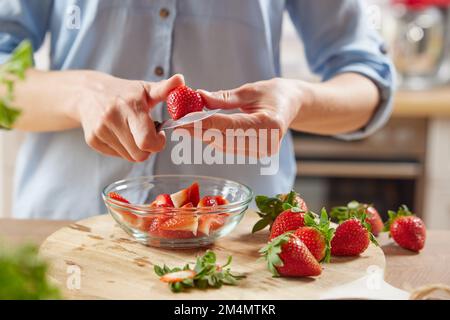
(23, 275)
(206, 273)
(20, 60)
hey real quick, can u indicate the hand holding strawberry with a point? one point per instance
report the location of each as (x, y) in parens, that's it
(182, 101)
(406, 229)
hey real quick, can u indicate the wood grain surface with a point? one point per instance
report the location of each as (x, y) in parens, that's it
(114, 266)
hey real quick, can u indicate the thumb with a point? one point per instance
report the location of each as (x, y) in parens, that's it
(158, 91)
(223, 99)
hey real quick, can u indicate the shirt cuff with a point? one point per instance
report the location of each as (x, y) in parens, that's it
(385, 82)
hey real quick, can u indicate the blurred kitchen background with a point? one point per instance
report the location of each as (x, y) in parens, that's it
(407, 162)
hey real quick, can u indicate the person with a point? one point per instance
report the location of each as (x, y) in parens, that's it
(89, 120)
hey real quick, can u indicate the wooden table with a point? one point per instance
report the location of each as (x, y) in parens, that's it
(404, 269)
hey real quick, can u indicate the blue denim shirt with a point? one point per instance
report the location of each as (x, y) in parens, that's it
(216, 44)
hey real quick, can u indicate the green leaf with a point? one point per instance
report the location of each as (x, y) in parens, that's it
(271, 252)
(261, 224)
(158, 270)
(8, 114)
(271, 207)
(20, 60)
(207, 274)
(23, 275)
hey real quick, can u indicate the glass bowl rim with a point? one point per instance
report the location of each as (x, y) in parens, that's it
(145, 209)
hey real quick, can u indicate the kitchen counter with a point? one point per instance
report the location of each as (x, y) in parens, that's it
(432, 103)
(404, 269)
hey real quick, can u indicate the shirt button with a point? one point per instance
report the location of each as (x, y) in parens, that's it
(159, 71)
(383, 48)
(164, 13)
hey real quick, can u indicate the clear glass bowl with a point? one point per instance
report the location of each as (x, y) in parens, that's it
(141, 221)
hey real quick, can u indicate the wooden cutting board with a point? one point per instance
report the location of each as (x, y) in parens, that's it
(109, 264)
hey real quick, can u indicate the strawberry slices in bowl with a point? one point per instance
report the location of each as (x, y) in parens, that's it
(173, 211)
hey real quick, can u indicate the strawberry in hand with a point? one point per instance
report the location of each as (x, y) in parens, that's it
(182, 101)
(352, 237)
(288, 256)
(406, 229)
(356, 209)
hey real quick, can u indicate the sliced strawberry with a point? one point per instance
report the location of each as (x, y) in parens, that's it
(128, 217)
(190, 194)
(116, 196)
(212, 201)
(188, 205)
(178, 276)
(180, 198)
(210, 222)
(162, 201)
(179, 227)
(155, 225)
(194, 194)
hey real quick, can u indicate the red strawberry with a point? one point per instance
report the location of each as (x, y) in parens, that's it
(155, 225)
(351, 238)
(162, 201)
(313, 240)
(288, 220)
(374, 219)
(407, 230)
(190, 194)
(287, 255)
(212, 201)
(179, 227)
(271, 207)
(357, 209)
(183, 100)
(297, 201)
(208, 223)
(317, 235)
(127, 216)
(116, 196)
(184, 225)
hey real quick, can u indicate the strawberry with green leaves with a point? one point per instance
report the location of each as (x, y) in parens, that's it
(317, 235)
(206, 273)
(352, 237)
(288, 220)
(271, 207)
(406, 229)
(288, 256)
(357, 209)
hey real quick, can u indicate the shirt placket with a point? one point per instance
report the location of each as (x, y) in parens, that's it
(161, 52)
(161, 55)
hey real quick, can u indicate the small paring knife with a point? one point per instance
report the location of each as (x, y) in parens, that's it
(187, 119)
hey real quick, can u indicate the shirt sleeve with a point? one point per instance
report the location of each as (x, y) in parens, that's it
(338, 38)
(20, 20)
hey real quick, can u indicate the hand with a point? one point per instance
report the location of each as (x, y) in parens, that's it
(114, 114)
(271, 105)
